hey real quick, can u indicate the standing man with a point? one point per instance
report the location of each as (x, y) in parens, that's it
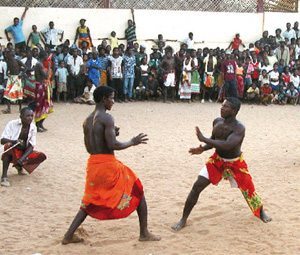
(168, 71)
(129, 62)
(289, 33)
(112, 190)
(227, 162)
(130, 34)
(116, 74)
(51, 35)
(283, 52)
(19, 139)
(229, 72)
(74, 63)
(16, 31)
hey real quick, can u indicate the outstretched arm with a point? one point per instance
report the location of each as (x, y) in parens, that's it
(233, 140)
(132, 13)
(24, 13)
(76, 36)
(110, 137)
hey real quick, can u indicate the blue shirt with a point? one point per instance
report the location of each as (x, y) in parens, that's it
(17, 32)
(129, 64)
(62, 74)
(103, 63)
(94, 74)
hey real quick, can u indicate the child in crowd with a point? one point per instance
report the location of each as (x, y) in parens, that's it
(240, 79)
(280, 96)
(253, 93)
(87, 96)
(286, 76)
(61, 75)
(292, 94)
(153, 91)
(264, 78)
(144, 72)
(295, 78)
(34, 38)
(266, 95)
(140, 91)
(274, 78)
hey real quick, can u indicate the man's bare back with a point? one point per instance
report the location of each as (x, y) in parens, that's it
(94, 133)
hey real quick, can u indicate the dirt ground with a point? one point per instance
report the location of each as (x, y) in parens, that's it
(36, 210)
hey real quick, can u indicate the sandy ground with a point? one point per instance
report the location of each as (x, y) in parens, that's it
(36, 210)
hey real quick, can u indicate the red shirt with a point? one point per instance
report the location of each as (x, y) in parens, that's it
(266, 90)
(229, 69)
(255, 74)
(236, 43)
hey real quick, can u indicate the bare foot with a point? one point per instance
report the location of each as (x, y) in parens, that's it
(149, 237)
(74, 239)
(180, 225)
(264, 217)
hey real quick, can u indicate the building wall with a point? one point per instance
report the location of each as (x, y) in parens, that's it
(215, 29)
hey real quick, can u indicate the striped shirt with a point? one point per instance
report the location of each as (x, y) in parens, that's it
(130, 34)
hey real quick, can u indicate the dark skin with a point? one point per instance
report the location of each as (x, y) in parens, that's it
(100, 135)
(227, 138)
(26, 119)
(14, 67)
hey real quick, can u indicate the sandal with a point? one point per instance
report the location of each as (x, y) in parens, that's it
(5, 182)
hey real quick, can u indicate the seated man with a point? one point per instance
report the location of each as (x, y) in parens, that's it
(87, 96)
(19, 138)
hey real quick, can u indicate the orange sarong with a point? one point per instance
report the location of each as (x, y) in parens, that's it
(219, 169)
(112, 190)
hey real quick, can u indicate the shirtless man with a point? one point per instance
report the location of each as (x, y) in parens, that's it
(227, 162)
(112, 190)
(13, 92)
(168, 71)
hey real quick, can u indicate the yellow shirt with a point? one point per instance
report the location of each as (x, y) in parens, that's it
(114, 43)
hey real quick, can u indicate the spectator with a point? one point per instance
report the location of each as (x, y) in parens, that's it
(16, 31)
(129, 62)
(289, 33)
(83, 35)
(51, 35)
(116, 74)
(283, 52)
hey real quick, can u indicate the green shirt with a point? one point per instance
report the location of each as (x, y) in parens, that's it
(130, 34)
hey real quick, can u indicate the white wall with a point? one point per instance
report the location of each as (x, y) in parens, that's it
(216, 29)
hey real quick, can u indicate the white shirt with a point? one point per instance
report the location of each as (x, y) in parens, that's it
(274, 75)
(75, 64)
(296, 81)
(3, 69)
(190, 43)
(116, 67)
(289, 34)
(90, 92)
(51, 35)
(34, 61)
(13, 129)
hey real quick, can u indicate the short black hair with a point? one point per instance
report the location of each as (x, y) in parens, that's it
(102, 91)
(25, 109)
(235, 103)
